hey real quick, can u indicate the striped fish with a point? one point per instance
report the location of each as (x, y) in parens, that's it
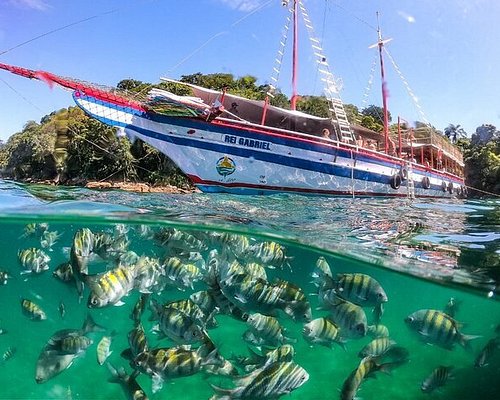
(282, 353)
(176, 325)
(324, 332)
(72, 343)
(139, 307)
(359, 289)
(33, 261)
(137, 342)
(487, 352)
(378, 331)
(271, 254)
(367, 367)
(174, 362)
(269, 382)
(376, 347)
(350, 318)
(109, 287)
(293, 300)
(129, 383)
(251, 293)
(268, 328)
(438, 328)
(104, 348)
(180, 274)
(32, 310)
(437, 378)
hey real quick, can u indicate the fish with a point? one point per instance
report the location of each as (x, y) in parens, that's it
(350, 318)
(437, 378)
(282, 353)
(268, 328)
(137, 342)
(139, 308)
(4, 277)
(366, 368)
(487, 352)
(32, 310)
(452, 307)
(64, 272)
(49, 238)
(110, 287)
(128, 382)
(191, 309)
(269, 382)
(175, 324)
(181, 275)
(378, 331)
(81, 249)
(251, 293)
(62, 309)
(9, 353)
(226, 369)
(173, 362)
(376, 347)
(35, 229)
(103, 348)
(33, 260)
(271, 254)
(324, 332)
(292, 300)
(50, 362)
(360, 289)
(149, 275)
(74, 342)
(378, 311)
(436, 327)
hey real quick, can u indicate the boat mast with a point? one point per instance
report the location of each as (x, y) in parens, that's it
(295, 55)
(380, 44)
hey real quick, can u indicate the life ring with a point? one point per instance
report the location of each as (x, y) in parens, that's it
(426, 182)
(396, 181)
(450, 188)
(443, 186)
(404, 174)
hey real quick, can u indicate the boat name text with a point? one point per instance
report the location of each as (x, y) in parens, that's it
(256, 144)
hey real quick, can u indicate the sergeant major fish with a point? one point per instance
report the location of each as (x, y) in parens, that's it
(437, 378)
(33, 261)
(128, 382)
(109, 287)
(324, 332)
(103, 348)
(269, 382)
(438, 328)
(32, 310)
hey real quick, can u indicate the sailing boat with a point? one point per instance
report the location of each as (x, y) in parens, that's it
(226, 143)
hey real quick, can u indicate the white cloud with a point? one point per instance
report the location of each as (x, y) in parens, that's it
(243, 5)
(39, 5)
(407, 17)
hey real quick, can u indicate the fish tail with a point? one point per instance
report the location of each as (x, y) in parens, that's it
(89, 325)
(223, 394)
(465, 341)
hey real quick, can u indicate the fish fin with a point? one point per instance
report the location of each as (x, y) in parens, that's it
(127, 354)
(465, 339)
(225, 393)
(240, 298)
(89, 325)
(157, 383)
(289, 340)
(119, 303)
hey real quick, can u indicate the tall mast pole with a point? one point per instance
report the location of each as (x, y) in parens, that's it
(295, 55)
(384, 89)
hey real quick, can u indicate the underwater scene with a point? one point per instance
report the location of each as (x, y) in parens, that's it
(122, 296)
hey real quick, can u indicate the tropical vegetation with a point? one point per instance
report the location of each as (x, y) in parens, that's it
(68, 147)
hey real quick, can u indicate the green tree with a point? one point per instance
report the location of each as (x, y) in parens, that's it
(377, 113)
(314, 105)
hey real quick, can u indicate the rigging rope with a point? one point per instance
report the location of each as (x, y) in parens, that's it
(407, 86)
(278, 61)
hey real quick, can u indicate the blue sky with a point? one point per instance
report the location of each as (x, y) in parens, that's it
(447, 50)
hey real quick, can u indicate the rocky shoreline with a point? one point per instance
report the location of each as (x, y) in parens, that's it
(139, 187)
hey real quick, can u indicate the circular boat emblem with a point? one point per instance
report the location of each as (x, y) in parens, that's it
(225, 166)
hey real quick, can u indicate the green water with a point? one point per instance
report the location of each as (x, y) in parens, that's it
(328, 368)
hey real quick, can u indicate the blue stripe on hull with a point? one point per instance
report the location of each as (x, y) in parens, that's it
(272, 158)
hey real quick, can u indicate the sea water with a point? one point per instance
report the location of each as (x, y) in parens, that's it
(422, 253)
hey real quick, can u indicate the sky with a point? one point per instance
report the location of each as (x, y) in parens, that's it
(447, 51)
